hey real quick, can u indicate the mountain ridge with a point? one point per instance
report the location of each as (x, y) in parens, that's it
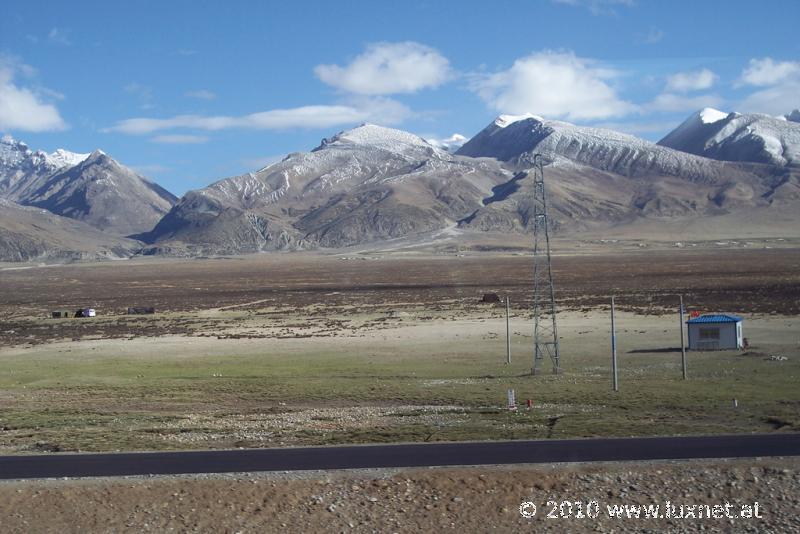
(35, 234)
(748, 137)
(371, 183)
(375, 186)
(93, 188)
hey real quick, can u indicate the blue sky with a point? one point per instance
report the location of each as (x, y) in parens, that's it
(188, 92)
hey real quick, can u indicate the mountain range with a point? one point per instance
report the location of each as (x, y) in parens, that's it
(738, 174)
(92, 188)
(737, 137)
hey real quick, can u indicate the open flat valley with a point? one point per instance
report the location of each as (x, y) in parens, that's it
(311, 349)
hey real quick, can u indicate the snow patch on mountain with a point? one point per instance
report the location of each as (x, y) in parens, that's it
(752, 137)
(711, 115)
(12, 152)
(375, 136)
(65, 158)
(17, 155)
(365, 154)
(504, 120)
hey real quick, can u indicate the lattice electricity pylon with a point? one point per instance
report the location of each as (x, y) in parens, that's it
(545, 331)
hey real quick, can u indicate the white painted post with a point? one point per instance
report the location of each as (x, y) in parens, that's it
(508, 333)
(512, 400)
(614, 377)
(683, 344)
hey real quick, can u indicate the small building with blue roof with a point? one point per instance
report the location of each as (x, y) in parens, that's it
(715, 331)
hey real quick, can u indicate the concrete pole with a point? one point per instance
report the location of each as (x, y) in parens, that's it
(683, 344)
(508, 333)
(614, 377)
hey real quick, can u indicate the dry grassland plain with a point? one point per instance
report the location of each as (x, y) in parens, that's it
(302, 349)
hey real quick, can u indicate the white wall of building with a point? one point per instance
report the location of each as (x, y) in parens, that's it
(701, 336)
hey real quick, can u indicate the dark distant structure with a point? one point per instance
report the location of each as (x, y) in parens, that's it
(490, 298)
(141, 310)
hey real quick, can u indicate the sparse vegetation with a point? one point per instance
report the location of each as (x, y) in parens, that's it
(378, 364)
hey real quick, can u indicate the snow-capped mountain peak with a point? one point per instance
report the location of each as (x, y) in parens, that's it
(794, 116)
(753, 137)
(65, 158)
(375, 136)
(12, 152)
(92, 188)
(711, 115)
(16, 154)
(504, 120)
(97, 155)
(59, 159)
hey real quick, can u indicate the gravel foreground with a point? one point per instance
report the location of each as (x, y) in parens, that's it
(479, 499)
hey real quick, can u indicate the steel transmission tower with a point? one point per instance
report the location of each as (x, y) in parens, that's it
(545, 332)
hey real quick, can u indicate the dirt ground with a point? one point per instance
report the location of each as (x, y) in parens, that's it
(311, 350)
(753, 281)
(305, 349)
(479, 499)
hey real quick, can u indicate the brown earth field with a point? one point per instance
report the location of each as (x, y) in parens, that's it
(312, 349)
(763, 281)
(567, 497)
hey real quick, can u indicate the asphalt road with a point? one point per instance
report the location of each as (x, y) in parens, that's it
(405, 455)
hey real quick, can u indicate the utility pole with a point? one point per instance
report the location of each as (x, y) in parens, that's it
(508, 332)
(683, 344)
(545, 332)
(614, 377)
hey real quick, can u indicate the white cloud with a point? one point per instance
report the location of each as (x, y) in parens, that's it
(776, 100)
(180, 139)
(142, 92)
(698, 80)
(59, 36)
(452, 143)
(201, 94)
(379, 110)
(779, 83)
(388, 68)
(555, 85)
(597, 7)
(653, 36)
(766, 71)
(671, 102)
(24, 108)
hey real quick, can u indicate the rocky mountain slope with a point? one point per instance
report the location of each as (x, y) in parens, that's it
(748, 137)
(362, 185)
(35, 234)
(92, 188)
(21, 168)
(373, 184)
(514, 139)
(598, 178)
